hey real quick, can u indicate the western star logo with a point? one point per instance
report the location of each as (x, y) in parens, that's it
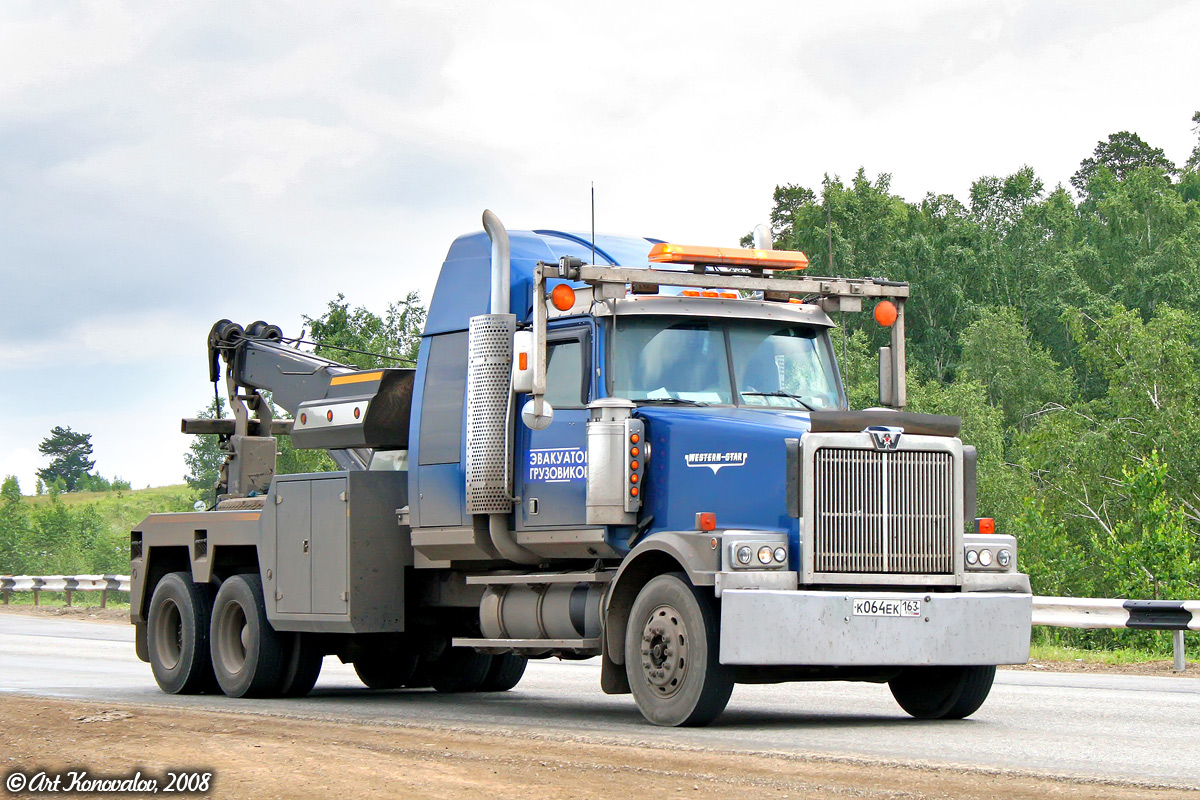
(557, 465)
(715, 461)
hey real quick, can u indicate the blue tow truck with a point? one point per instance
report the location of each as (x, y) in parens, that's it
(609, 447)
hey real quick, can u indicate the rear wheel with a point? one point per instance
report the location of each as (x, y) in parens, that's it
(942, 692)
(388, 669)
(672, 654)
(505, 673)
(177, 634)
(302, 665)
(247, 653)
(460, 669)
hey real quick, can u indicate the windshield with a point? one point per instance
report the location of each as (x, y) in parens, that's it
(692, 359)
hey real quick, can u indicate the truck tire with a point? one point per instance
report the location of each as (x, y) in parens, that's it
(301, 667)
(247, 653)
(460, 669)
(386, 669)
(942, 692)
(505, 673)
(672, 649)
(177, 634)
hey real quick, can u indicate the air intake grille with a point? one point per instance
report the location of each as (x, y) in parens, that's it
(489, 370)
(883, 512)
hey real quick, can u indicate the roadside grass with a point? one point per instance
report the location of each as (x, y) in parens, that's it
(1116, 655)
(117, 600)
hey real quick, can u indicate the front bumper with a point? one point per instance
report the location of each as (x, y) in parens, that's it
(770, 627)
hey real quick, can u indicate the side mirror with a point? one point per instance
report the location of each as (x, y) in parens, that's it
(886, 392)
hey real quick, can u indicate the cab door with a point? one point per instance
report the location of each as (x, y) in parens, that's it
(551, 464)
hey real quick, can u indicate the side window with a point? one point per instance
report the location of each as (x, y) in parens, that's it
(565, 387)
(442, 399)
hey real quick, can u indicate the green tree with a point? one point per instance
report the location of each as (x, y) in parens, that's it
(361, 338)
(1193, 161)
(14, 527)
(1019, 376)
(204, 456)
(1148, 552)
(69, 451)
(1120, 155)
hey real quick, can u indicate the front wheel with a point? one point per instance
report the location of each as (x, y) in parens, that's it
(942, 692)
(672, 654)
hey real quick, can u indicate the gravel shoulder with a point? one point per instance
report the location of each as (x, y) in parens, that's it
(276, 757)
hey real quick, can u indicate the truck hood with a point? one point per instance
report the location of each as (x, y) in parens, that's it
(727, 460)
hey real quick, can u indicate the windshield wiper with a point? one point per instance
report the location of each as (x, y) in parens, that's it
(788, 395)
(671, 401)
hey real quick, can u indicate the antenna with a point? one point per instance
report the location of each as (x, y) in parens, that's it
(593, 222)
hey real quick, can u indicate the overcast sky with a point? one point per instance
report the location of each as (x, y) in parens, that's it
(163, 165)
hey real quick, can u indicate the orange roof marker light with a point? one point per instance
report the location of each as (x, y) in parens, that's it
(663, 253)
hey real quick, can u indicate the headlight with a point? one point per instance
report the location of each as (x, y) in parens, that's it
(972, 557)
(780, 555)
(985, 558)
(1004, 558)
(744, 554)
(765, 554)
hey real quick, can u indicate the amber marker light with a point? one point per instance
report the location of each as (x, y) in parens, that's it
(664, 253)
(523, 361)
(634, 466)
(633, 492)
(357, 412)
(885, 313)
(635, 438)
(633, 452)
(329, 415)
(562, 297)
(304, 419)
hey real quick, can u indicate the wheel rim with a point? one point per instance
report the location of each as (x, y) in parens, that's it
(233, 638)
(168, 635)
(664, 651)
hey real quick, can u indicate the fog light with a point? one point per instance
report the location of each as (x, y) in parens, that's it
(1004, 558)
(780, 555)
(744, 555)
(985, 557)
(972, 557)
(765, 554)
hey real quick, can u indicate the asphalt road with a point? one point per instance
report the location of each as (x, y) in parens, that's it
(1126, 728)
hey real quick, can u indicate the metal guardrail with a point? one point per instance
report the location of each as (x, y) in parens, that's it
(1176, 616)
(67, 584)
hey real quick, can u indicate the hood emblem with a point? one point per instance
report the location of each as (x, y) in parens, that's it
(885, 438)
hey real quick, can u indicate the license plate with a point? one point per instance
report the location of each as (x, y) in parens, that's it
(876, 607)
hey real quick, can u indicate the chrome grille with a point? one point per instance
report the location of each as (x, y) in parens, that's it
(883, 512)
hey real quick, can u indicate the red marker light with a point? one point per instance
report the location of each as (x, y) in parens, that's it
(633, 452)
(634, 466)
(706, 521)
(633, 492)
(985, 525)
(635, 438)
